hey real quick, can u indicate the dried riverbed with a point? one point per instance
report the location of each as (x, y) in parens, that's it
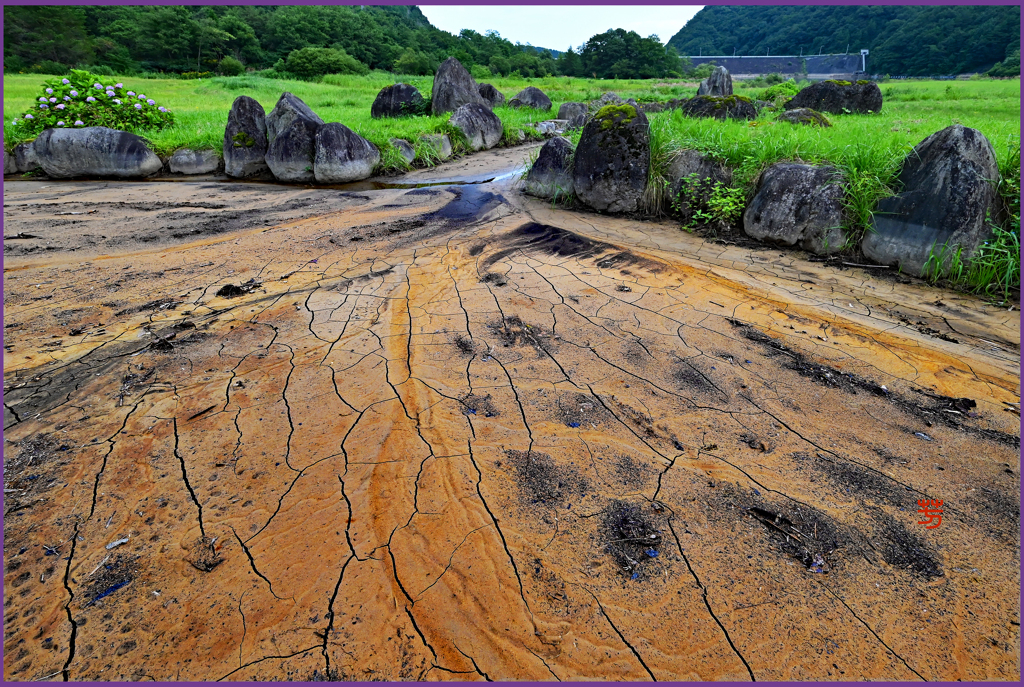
(259, 432)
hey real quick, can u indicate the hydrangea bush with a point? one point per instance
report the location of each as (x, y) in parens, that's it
(83, 99)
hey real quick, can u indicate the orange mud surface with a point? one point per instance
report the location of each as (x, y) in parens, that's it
(453, 433)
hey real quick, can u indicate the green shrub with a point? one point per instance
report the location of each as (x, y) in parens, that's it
(707, 203)
(312, 62)
(189, 76)
(229, 66)
(480, 71)
(100, 70)
(49, 67)
(414, 62)
(75, 101)
(786, 88)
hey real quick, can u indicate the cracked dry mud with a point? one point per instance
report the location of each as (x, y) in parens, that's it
(378, 461)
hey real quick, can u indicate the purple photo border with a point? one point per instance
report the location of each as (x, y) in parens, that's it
(529, 3)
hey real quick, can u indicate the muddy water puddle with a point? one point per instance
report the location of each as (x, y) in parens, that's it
(447, 432)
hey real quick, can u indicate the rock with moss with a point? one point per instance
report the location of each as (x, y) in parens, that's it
(611, 159)
(491, 95)
(188, 161)
(479, 125)
(453, 88)
(804, 115)
(839, 97)
(607, 99)
(291, 139)
(531, 97)
(245, 139)
(718, 84)
(798, 205)
(398, 100)
(94, 151)
(949, 200)
(551, 175)
(725, 107)
(341, 155)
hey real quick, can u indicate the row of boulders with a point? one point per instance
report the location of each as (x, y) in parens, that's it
(948, 191)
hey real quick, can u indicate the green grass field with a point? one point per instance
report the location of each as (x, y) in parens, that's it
(868, 148)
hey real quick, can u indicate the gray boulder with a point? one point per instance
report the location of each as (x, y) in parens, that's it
(245, 139)
(399, 100)
(94, 151)
(718, 84)
(342, 155)
(575, 114)
(551, 175)
(10, 165)
(798, 205)
(291, 134)
(478, 124)
(531, 97)
(405, 149)
(453, 88)
(491, 95)
(607, 99)
(698, 175)
(839, 97)
(804, 115)
(720, 107)
(949, 183)
(25, 157)
(188, 161)
(611, 160)
(438, 144)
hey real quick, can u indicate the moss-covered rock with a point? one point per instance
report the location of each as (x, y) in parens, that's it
(839, 97)
(611, 159)
(805, 115)
(726, 107)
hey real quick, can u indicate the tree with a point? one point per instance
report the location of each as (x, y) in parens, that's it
(311, 62)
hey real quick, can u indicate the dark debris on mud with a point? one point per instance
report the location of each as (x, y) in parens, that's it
(203, 554)
(33, 470)
(512, 331)
(112, 575)
(633, 538)
(475, 404)
(901, 548)
(541, 481)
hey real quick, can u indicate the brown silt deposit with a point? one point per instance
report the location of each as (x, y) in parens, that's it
(258, 432)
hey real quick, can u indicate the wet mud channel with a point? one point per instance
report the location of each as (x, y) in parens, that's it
(448, 432)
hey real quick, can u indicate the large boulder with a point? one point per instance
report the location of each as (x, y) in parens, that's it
(607, 99)
(798, 204)
(720, 107)
(551, 174)
(438, 145)
(453, 88)
(804, 115)
(245, 139)
(611, 159)
(188, 161)
(94, 151)
(698, 175)
(399, 100)
(839, 97)
(478, 124)
(291, 134)
(25, 157)
(531, 97)
(491, 95)
(949, 187)
(718, 84)
(10, 165)
(342, 155)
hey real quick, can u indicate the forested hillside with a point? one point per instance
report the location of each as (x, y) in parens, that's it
(902, 40)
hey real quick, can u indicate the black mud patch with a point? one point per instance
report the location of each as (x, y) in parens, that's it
(690, 376)
(859, 482)
(634, 352)
(580, 410)
(543, 482)
(494, 278)
(901, 548)
(159, 304)
(464, 344)
(631, 472)
(643, 424)
(997, 512)
(477, 249)
(544, 238)
(624, 259)
(475, 404)
(933, 410)
(633, 538)
(806, 534)
(113, 575)
(512, 331)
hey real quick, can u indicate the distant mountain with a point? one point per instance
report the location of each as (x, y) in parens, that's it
(913, 41)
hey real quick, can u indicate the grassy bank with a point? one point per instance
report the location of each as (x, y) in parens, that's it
(201, 106)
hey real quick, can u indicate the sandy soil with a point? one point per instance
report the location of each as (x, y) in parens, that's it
(262, 432)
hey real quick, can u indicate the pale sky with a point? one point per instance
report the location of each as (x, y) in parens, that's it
(558, 27)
